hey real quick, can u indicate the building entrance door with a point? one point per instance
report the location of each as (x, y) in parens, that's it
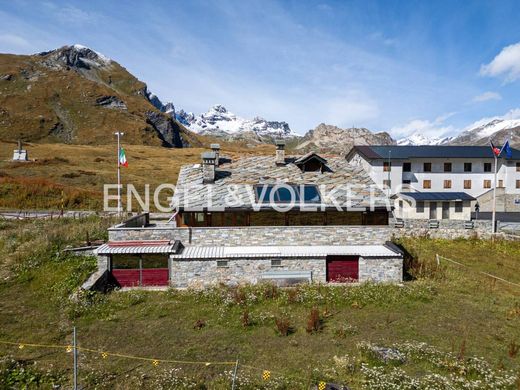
(433, 210)
(445, 210)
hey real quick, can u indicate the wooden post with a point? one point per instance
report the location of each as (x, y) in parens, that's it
(233, 384)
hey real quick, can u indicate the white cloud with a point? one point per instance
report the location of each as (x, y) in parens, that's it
(13, 40)
(506, 64)
(425, 127)
(484, 97)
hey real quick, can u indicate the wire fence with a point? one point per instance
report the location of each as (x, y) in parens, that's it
(264, 374)
(439, 258)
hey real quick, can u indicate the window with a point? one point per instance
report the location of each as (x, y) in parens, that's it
(407, 167)
(487, 183)
(276, 263)
(222, 263)
(487, 167)
(447, 167)
(467, 167)
(458, 207)
(447, 183)
(427, 167)
(427, 184)
(387, 183)
(500, 183)
(518, 184)
(518, 166)
(407, 181)
(287, 193)
(419, 207)
(387, 167)
(467, 184)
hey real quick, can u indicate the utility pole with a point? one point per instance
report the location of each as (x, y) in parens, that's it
(389, 173)
(119, 204)
(493, 216)
(75, 352)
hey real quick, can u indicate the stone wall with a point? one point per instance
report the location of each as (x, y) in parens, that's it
(448, 229)
(259, 235)
(203, 273)
(381, 270)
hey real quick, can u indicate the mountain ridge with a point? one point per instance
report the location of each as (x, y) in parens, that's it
(74, 94)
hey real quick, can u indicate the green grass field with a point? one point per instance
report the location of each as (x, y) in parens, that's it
(333, 332)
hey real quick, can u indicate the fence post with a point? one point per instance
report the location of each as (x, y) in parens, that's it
(234, 376)
(75, 351)
(437, 257)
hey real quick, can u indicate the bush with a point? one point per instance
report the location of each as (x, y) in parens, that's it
(283, 325)
(314, 322)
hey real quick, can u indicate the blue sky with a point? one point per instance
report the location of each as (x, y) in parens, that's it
(398, 66)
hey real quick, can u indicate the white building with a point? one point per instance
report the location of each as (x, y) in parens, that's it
(443, 169)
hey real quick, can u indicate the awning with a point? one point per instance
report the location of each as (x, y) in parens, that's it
(224, 252)
(138, 247)
(446, 196)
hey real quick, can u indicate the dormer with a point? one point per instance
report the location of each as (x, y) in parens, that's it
(311, 162)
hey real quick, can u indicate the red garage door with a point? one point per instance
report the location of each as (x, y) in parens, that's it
(140, 270)
(342, 268)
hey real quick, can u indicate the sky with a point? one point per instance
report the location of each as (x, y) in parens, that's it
(432, 67)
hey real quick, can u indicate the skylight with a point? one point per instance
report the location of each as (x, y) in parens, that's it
(287, 193)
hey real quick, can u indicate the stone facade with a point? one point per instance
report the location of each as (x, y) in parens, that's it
(259, 235)
(200, 273)
(204, 273)
(381, 270)
(448, 229)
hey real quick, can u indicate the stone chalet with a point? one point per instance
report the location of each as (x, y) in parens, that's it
(288, 220)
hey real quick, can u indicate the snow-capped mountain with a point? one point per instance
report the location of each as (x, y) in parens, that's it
(484, 130)
(218, 121)
(419, 139)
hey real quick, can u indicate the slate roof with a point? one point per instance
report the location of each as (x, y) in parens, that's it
(242, 175)
(306, 157)
(374, 152)
(437, 195)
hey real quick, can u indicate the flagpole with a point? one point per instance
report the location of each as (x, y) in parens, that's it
(119, 205)
(494, 196)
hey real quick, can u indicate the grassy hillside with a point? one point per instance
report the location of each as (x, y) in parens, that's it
(82, 170)
(457, 313)
(51, 98)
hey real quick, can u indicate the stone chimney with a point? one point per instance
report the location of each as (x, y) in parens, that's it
(208, 167)
(280, 152)
(216, 150)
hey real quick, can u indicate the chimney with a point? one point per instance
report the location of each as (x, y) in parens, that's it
(280, 152)
(208, 167)
(216, 150)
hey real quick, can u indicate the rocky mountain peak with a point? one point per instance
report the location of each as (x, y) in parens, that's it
(336, 140)
(75, 56)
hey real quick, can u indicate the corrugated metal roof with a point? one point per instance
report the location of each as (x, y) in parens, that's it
(437, 195)
(137, 247)
(222, 252)
(428, 151)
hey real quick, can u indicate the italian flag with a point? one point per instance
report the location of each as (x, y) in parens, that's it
(122, 158)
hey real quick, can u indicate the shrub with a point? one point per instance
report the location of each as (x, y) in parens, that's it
(314, 322)
(283, 325)
(246, 320)
(513, 349)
